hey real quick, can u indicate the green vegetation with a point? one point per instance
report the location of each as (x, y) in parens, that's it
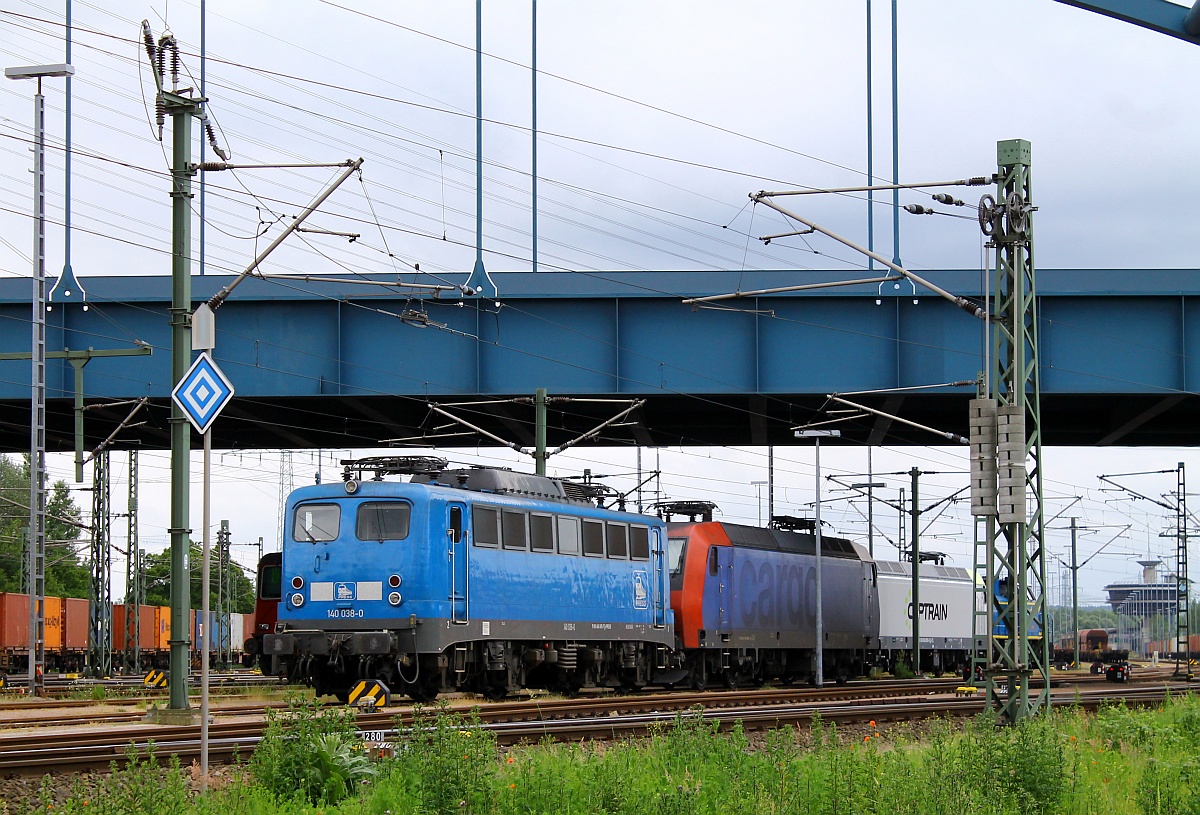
(310, 753)
(66, 574)
(1116, 762)
(158, 580)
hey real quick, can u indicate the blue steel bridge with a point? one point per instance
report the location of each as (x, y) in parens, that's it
(336, 365)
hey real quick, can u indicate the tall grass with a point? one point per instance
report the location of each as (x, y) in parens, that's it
(1117, 762)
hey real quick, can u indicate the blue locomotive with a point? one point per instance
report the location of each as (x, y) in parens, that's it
(1000, 612)
(484, 580)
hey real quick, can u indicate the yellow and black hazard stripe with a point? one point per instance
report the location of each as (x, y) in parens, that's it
(370, 693)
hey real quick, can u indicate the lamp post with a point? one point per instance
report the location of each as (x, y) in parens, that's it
(816, 436)
(37, 420)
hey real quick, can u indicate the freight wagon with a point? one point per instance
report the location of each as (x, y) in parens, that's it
(67, 620)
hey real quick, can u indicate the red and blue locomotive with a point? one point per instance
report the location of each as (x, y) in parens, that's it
(745, 604)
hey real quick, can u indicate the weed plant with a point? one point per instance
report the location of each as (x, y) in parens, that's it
(311, 753)
(143, 785)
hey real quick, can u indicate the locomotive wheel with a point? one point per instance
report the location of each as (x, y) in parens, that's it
(729, 679)
(422, 692)
(786, 679)
(495, 693)
(699, 679)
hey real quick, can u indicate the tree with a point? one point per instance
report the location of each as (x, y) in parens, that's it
(66, 574)
(158, 581)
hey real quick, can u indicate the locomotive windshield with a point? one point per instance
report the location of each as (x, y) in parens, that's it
(675, 547)
(382, 521)
(316, 522)
(270, 581)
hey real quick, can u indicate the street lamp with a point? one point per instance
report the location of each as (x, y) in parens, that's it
(37, 424)
(816, 436)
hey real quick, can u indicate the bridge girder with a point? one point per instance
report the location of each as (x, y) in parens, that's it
(333, 366)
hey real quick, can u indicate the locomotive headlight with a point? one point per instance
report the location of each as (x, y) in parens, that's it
(394, 581)
(394, 598)
(297, 582)
(296, 600)
(351, 487)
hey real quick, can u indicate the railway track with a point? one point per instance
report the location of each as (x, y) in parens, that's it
(532, 720)
(32, 713)
(56, 685)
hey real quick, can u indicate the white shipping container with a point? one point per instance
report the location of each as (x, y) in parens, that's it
(236, 627)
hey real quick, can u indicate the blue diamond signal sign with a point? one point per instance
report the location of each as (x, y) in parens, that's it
(202, 393)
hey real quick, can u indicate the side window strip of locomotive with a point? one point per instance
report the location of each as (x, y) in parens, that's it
(486, 523)
(593, 538)
(541, 532)
(513, 527)
(618, 541)
(382, 521)
(639, 542)
(316, 523)
(568, 535)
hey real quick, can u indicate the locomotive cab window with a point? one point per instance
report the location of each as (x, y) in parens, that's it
(541, 532)
(568, 535)
(593, 538)
(486, 523)
(675, 549)
(270, 581)
(382, 521)
(639, 542)
(618, 541)
(456, 524)
(316, 523)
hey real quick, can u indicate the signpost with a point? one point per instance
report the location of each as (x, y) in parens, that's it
(202, 394)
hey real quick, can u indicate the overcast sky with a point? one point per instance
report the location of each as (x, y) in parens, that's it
(655, 121)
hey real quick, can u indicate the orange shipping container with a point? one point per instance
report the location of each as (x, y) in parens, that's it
(75, 623)
(147, 633)
(118, 627)
(14, 621)
(162, 628)
(54, 624)
(247, 628)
